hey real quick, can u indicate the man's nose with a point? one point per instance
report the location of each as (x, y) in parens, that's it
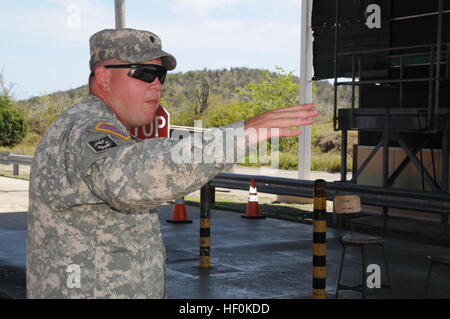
(156, 83)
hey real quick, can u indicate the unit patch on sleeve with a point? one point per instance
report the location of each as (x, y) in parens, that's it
(106, 127)
(102, 144)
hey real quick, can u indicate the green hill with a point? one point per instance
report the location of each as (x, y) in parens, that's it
(179, 93)
(182, 96)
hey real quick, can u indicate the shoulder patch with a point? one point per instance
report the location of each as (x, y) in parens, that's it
(102, 144)
(109, 128)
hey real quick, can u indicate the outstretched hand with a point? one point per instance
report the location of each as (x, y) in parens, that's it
(298, 115)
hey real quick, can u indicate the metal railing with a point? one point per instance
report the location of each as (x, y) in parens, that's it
(432, 57)
(426, 201)
(7, 158)
(432, 202)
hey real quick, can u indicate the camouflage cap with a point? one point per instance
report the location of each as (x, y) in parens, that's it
(128, 45)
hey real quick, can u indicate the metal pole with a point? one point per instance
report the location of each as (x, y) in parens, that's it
(430, 85)
(336, 43)
(119, 6)
(344, 155)
(353, 85)
(445, 168)
(319, 239)
(419, 15)
(212, 195)
(401, 83)
(353, 91)
(445, 164)
(205, 225)
(385, 162)
(304, 140)
(438, 58)
(447, 68)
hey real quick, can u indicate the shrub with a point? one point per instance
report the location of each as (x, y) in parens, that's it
(288, 160)
(328, 142)
(329, 162)
(13, 126)
(228, 113)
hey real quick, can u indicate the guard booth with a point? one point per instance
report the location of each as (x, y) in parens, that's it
(394, 55)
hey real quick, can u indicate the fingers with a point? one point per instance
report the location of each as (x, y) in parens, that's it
(298, 117)
(285, 132)
(301, 107)
(285, 123)
(255, 138)
(294, 116)
(295, 113)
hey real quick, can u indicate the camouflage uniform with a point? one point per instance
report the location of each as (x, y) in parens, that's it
(94, 192)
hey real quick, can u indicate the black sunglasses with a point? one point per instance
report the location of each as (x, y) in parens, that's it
(143, 72)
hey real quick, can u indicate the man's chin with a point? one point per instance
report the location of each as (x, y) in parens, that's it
(149, 117)
(143, 123)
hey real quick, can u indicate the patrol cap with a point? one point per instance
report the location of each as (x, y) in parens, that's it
(128, 45)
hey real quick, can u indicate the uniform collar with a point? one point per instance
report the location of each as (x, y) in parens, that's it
(106, 110)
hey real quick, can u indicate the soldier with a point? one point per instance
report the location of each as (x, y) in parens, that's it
(93, 228)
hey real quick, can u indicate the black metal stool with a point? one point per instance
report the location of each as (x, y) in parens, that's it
(346, 205)
(435, 260)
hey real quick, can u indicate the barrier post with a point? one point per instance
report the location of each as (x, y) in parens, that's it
(319, 239)
(205, 225)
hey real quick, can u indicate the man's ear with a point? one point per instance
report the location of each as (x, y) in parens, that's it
(103, 78)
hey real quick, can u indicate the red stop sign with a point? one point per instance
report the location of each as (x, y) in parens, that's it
(160, 127)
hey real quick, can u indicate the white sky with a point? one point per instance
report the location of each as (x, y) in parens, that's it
(44, 44)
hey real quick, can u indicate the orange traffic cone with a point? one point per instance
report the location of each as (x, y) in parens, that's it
(252, 205)
(179, 212)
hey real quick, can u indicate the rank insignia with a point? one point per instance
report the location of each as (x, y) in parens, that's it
(102, 144)
(106, 127)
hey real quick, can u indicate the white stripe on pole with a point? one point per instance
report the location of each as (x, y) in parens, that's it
(304, 140)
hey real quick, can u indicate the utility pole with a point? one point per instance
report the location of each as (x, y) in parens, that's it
(120, 13)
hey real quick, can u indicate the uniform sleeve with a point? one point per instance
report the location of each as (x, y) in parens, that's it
(130, 175)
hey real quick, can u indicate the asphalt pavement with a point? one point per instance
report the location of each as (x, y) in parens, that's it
(265, 258)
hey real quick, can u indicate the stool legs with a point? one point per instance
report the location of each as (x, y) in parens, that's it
(363, 273)
(340, 270)
(387, 272)
(363, 264)
(428, 279)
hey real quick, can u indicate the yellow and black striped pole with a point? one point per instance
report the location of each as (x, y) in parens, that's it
(319, 239)
(205, 224)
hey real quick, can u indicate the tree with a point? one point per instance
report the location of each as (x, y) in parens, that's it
(272, 92)
(5, 91)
